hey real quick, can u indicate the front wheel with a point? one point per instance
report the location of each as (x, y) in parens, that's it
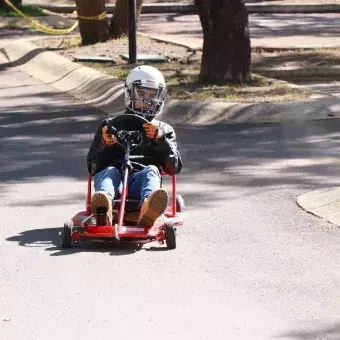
(170, 235)
(180, 206)
(66, 235)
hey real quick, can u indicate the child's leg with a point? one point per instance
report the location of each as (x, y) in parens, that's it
(108, 180)
(146, 186)
(143, 183)
(106, 184)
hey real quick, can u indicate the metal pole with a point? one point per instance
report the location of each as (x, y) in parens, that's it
(132, 32)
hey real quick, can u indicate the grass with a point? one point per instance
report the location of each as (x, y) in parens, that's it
(70, 43)
(184, 86)
(182, 72)
(29, 10)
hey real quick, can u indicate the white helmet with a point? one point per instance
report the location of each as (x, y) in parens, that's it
(145, 91)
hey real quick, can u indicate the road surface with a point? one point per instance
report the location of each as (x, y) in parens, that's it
(250, 263)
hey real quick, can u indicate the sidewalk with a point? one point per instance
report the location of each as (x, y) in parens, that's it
(277, 31)
(324, 203)
(274, 32)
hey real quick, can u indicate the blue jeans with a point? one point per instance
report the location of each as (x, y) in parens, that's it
(140, 184)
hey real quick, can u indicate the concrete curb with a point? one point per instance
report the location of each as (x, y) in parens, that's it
(106, 93)
(191, 9)
(324, 203)
(90, 86)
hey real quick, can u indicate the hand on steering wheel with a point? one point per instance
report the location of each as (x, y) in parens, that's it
(152, 132)
(107, 138)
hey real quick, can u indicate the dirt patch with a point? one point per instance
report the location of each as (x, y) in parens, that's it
(181, 71)
(297, 57)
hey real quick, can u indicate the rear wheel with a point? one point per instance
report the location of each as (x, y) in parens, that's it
(170, 235)
(180, 206)
(66, 235)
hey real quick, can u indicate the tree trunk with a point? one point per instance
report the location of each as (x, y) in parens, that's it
(226, 45)
(92, 31)
(120, 20)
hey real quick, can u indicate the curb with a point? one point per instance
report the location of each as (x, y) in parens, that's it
(94, 88)
(323, 203)
(191, 9)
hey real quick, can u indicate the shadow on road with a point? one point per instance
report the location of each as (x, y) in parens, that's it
(46, 134)
(50, 240)
(40, 142)
(330, 332)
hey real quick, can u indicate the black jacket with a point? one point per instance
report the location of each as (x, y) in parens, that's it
(163, 154)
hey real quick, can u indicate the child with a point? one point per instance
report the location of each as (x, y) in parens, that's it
(144, 96)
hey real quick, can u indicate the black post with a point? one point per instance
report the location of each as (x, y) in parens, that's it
(132, 32)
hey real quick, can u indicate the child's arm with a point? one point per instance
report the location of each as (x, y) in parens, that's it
(100, 141)
(166, 150)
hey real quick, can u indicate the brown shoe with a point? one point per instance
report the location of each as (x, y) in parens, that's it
(101, 199)
(153, 207)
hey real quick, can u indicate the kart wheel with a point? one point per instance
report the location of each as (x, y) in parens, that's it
(66, 235)
(180, 206)
(170, 235)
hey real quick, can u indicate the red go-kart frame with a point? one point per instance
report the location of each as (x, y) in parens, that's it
(85, 224)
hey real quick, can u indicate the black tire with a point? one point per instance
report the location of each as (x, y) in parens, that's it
(170, 235)
(180, 206)
(66, 235)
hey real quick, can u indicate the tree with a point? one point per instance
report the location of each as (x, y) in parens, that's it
(226, 45)
(91, 30)
(120, 20)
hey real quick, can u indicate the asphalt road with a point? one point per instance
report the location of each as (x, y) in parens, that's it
(266, 30)
(250, 264)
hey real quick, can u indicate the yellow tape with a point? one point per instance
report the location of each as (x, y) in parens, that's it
(101, 16)
(41, 27)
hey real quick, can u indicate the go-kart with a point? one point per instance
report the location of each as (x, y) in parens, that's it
(97, 226)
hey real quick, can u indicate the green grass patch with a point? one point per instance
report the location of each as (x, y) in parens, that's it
(185, 85)
(259, 89)
(29, 10)
(181, 72)
(71, 43)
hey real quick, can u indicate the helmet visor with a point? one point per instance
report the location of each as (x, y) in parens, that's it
(145, 99)
(146, 93)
